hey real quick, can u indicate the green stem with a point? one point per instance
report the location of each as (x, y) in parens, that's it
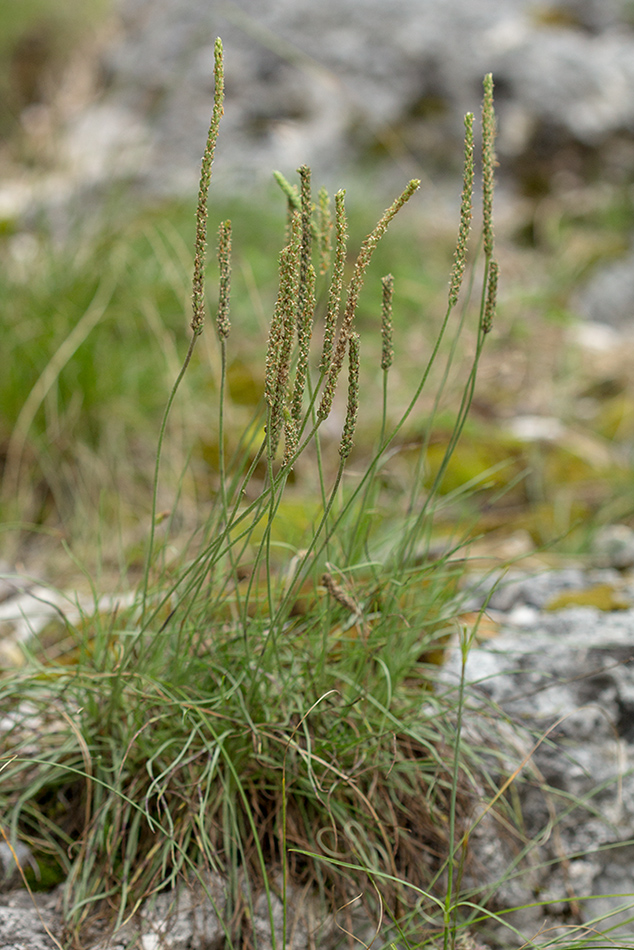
(172, 396)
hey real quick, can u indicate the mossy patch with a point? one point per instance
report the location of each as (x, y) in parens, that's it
(604, 597)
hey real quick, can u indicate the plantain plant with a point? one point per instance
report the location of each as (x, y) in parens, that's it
(264, 711)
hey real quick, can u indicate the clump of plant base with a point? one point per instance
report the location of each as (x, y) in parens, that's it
(263, 709)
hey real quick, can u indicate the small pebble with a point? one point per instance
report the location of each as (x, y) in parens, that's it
(524, 616)
(9, 871)
(614, 546)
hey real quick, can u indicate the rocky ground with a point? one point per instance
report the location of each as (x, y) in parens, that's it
(332, 84)
(550, 688)
(323, 84)
(339, 86)
(553, 687)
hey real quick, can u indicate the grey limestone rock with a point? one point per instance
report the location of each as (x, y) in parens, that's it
(320, 82)
(186, 918)
(505, 591)
(28, 925)
(614, 544)
(608, 297)
(558, 699)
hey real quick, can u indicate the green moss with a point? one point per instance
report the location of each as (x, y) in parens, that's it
(604, 597)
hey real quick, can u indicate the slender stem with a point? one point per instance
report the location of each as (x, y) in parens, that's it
(449, 908)
(157, 464)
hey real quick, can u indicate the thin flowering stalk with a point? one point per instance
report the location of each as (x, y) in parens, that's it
(356, 282)
(459, 259)
(387, 356)
(306, 211)
(290, 438)
(324, 230)
(466, 214)
(200, 244)
(488, 164)
(285, 302)
(488, 185)
(223, 325)
(291, 192)
(325, 529)
(238, 527)
(198, 291)
(491, 297)
(298, 307)
(305, 295)
(280, 403)
(487, 312)
(489, 290)
(345, 446)
(336, 283)
(387, 350)
(292, 201)
(223, 328)
(337, 592)
(304, 334)
(279, 355)
(273, 347)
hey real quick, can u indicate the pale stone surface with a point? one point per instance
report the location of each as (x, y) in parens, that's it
(323, 82)
(554, 697)
(551, 698)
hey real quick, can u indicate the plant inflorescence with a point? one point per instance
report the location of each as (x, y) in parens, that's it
(265, 706)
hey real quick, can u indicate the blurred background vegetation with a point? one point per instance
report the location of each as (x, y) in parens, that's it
(95, 325)
(36, 39)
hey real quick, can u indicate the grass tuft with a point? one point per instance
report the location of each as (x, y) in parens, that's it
(264, 708)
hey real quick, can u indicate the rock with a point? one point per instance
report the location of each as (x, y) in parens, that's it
(614, 546)
(193, 917)
(177, 920)
(324, 83)
(301, 82)
(608, 297)
(555, 704)
(12, 583)
(507, 590)
(9, 859)
(549, 721)
(26, 924)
